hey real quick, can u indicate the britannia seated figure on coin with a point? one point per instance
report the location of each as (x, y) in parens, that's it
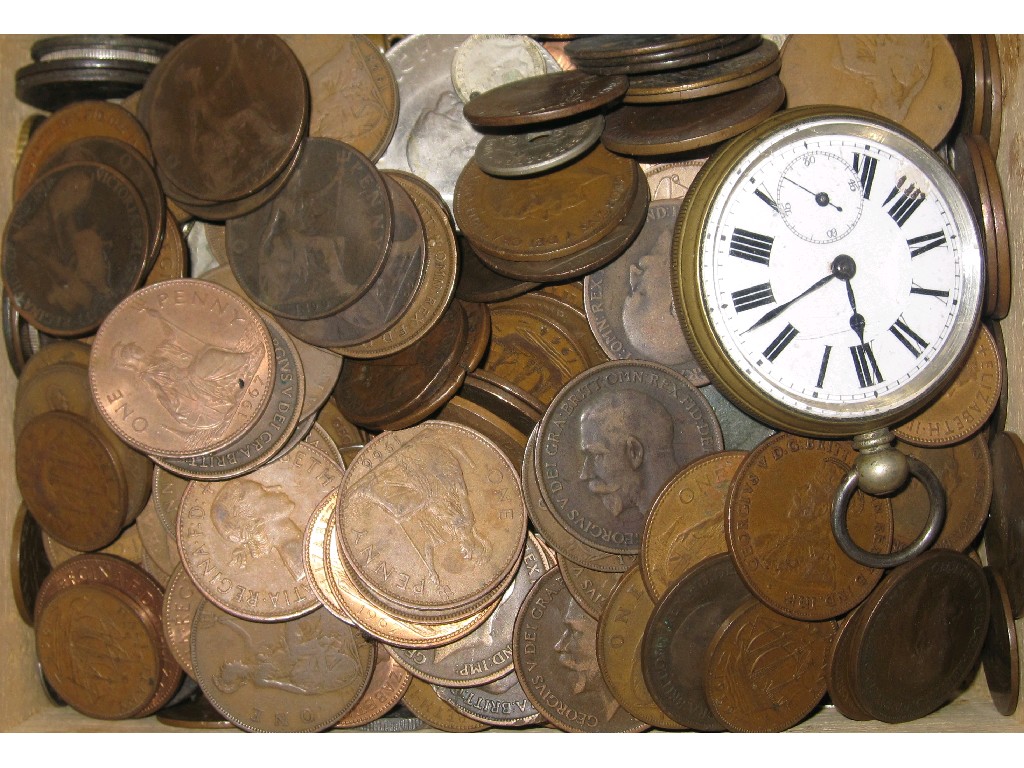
(626, 440)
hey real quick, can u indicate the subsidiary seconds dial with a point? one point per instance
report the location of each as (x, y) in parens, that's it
(820, 197)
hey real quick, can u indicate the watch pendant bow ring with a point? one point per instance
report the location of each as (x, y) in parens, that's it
(829, 272)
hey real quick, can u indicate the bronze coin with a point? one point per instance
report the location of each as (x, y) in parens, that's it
(588, 587)
(181, 603)
(839, 675)
(922, 632)
(225, 114)
(612, 437)
(504, 399)
(766, 672)
(992, 117)
(296, 676)
(159, 547)
(241, 540)
(968, 51)
(76, 121)
(565, 686)
(1004, 531)
(98, 652)
(55, 387)
(352, 89)
(778, 526)
(345, 435)
(17, 353)
(320, 244)
(565, 315)
(424, 702)
(182, 368)
(127, 546)
(687, 520)
(1000, 656)
(388, 684)
(629, 302)
(431, 517)
(315, 556)
(730, 47)
(75, 245)
(485, 654)
(993, 219)
(671, 181)
(969, 168)
(501, 703)
(196, 713)
(581, 262)
(549, 216)
(29, 564)
(539, 99)
(509, 440)
(172, 259)
(391, 292)
(965, 471)
(965, 405)
(596, 48)
(71, 479)
(620, 637)
(477, 282)
(168, 490)
(997, 422)
(678, 636)
(651, 130)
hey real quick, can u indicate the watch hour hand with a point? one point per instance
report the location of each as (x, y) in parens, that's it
(767, 317)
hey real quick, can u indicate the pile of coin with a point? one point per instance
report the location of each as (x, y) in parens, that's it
(518, 500)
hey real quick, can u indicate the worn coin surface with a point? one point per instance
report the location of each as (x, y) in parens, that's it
(478, 282)
(181, 603)
(611, 439)
(1004, 531)
(127, 546)
(294, 676)
(687, 520)
(423, 700)
(172, 260)
(779, 530)
(522, 154)
(739, 431)
(29, 564)
(588, 587)
(484, 62)
(388, 684)
(565, 686)
(839, 674)
(1000, 655)
(670, 181)
(501, 703)
(539, 99)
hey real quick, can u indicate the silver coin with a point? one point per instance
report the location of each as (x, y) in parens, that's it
(398, 720)
(739, 431)
(484, 62)
(523, 154)
(432, 140)
(629, 302)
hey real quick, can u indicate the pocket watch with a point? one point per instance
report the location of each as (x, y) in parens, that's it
(828, 272)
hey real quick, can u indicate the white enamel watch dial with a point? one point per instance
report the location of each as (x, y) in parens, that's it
(837, 271)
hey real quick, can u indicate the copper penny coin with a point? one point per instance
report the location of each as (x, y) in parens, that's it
(485, 654)
(194, 714)
(97, 652)
(588, 587)
(629, 302)
(620, 637)
(171, 261)
(29, 564)
(315, 557)
(477, 282)
(55, 387)
(965, 471)
(539, 99)
(968, 51)
(565, 686)
(388, 684)
(168, 490)
(997, 422)
(160, 549)
(687, 520)
(1000, 656)
(839, 675)
(965, 405)
(756, 679)
(671, 181)
(391, 292)
(596, 48)
(241, 540)
(913, 80)
(438, 508)
(71, 479)
(320, 244)
(293, 677)
(992, 118)
(225, 114)
(345, 435)
(501, 703)
(508, 439)
(661, 129)
(78, 120)
(678, 635)
(778, 526)
(969, 168)
(993, 219)
(612, 437)
(566, 315)
(75, 245)
(1004, 531)
(922, 633)
(352, 89)
(424, 702)
(181, 603)
(127, 546)
(551, 215)
(728, 46)
(518, 408)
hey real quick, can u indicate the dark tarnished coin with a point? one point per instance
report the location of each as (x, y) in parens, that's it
(1000, 655)
(29, 564)
(611, 439)
(779, 530)
(172, 260)
(839, 674)
(766, 672)
(509, 155)
(390, 294)
(629, 302)
(596, 48)
(478, 282)
(679, 633)
(661, 129)
(922, 632)
(501, 703)
(196, 713)
(739, 430)
(318, 246)
(565, 685)
(504, 399)
(588, 587)
(542, 98)
(728, 46)
(388, 685)
(75, 245)
(422, 699)
(225, 114)
(620, 637)
(1004, 531)
(295, 676)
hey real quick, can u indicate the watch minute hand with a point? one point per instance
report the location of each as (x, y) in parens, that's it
(767, 317)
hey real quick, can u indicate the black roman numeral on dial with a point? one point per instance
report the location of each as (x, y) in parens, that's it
(908, 338)
(751, 246)
(907, 201)
(924, 243)
(767, 199)
(865, 365)
(866, 167)
(756, 296)
(824, 366)
(781, 341)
